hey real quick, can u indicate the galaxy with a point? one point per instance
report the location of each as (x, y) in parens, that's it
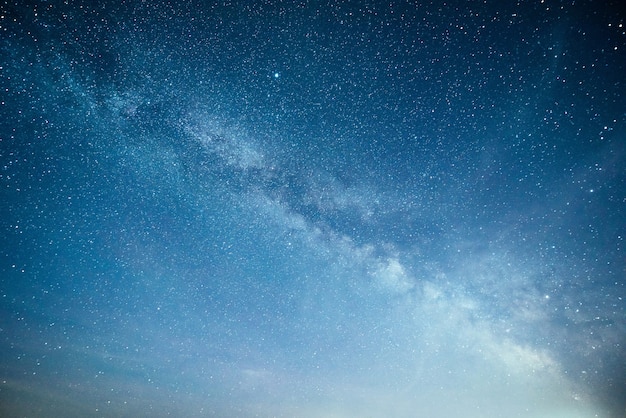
(313, 209)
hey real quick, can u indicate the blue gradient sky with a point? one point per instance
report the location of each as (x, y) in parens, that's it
(312, 210)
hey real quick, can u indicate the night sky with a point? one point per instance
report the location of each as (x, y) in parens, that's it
(313, 209)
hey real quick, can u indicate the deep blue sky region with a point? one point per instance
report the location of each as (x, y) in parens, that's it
(313, 209)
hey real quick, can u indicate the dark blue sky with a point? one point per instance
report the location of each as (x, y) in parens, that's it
(312, 209)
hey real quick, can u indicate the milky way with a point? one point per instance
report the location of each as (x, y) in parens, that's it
(312, 209)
